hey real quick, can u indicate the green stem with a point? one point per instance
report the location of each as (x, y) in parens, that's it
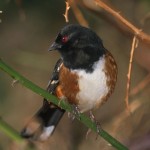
(84, 119)
(11, 132)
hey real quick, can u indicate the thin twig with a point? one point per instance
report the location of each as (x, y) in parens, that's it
(79, 16)
(140, 86)
(0, 13)
(135, 31)
(134, 45)
(66, 11)
(83, 118)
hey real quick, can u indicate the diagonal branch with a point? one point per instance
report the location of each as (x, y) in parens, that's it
(135, 31)
(141, 85)
(84, 119)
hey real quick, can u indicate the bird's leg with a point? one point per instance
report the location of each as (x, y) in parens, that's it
(75, 113)
(98, 126)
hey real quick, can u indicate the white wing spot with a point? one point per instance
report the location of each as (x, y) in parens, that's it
(46, 132)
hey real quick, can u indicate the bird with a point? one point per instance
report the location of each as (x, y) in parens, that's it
(85, 76)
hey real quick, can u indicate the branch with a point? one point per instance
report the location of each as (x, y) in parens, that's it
(66, 12)
(141, 85)
(0, 13)
(84, 119)
(79, 16)
(135, 31)
(134, 45)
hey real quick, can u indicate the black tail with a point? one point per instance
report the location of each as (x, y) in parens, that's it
(46, 119)
(44, 122)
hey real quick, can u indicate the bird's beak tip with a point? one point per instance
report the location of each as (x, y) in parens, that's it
(54, 46)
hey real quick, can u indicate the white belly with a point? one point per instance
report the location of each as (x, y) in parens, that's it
(92, 86)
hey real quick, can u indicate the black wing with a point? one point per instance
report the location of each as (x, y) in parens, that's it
(49, 115)
(55, 78)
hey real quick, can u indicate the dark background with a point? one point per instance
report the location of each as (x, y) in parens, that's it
(27, 29)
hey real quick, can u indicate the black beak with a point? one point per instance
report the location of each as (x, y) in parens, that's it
(54, 46)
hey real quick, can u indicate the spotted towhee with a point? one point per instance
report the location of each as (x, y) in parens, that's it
(85, 76)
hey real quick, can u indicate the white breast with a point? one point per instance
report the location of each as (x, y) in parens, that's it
(92, 86)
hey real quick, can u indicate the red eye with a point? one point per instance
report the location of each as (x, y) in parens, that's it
(64, 39)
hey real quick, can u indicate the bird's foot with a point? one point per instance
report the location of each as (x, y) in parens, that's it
(98, 126)
(75, 113)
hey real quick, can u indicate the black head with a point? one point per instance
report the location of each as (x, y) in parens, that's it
(79, 47)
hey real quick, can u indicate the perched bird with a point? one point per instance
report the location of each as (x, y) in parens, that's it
(85, 76)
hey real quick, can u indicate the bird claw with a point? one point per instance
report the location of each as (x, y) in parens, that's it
(71, 116)
(14, 82)
(75, 113)
(98, 126)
